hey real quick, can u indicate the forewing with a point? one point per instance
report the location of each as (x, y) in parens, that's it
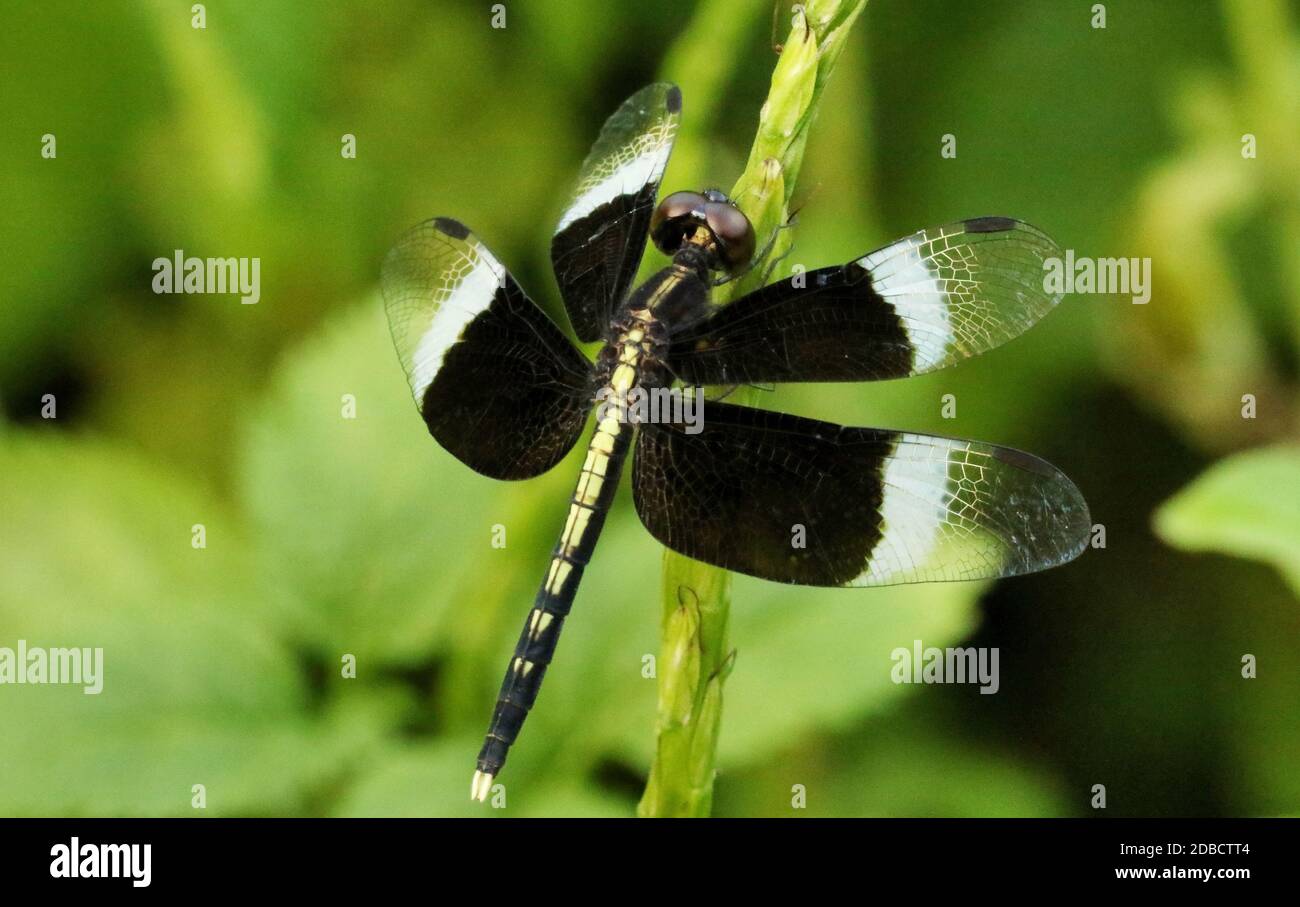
(919, 304)
(800, 501)
(599, 240)
(498, 384)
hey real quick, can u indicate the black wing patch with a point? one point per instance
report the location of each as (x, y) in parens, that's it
(601, 235)
(800, 501)
(497, 382)
(916, 305)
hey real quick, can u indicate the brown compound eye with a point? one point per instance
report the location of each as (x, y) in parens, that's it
(734, 233)
(675, 219)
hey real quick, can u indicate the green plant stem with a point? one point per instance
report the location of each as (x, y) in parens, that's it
(695, 655)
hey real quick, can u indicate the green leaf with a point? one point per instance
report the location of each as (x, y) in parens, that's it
(824, 663)
(902, 764)
(196, 687)
(366, 517)
(1246, 505)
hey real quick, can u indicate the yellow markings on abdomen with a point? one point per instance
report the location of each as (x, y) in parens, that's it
(575, 528)
(542, 619)
(588, 490)
(597, 463)
(591, 482)
(523, 666)
(559, 575)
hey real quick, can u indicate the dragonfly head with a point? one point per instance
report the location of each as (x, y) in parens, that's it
(708, 219)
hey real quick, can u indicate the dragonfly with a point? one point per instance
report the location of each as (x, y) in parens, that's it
(793, 500)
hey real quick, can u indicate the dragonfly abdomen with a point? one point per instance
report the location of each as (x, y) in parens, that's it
(588, 507)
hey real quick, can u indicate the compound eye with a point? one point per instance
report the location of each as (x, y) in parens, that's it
(677, 205)
(673, 219)
(734, 232)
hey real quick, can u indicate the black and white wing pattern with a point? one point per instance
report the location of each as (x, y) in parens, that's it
(497, 382)
(599, 240)
(919, 304)
(800, 501)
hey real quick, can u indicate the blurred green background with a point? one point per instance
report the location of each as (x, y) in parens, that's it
(329, 536)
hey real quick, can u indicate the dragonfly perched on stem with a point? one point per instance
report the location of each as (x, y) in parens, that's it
(771, 495)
